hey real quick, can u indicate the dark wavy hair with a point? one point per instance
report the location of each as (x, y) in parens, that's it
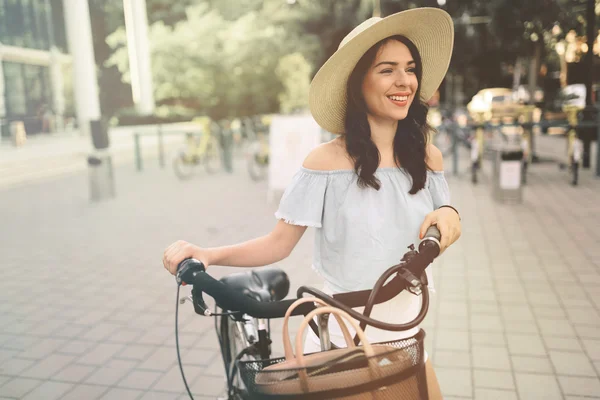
(411, 136)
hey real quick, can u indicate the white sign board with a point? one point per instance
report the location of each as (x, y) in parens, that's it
(291, 138)
(510, 174)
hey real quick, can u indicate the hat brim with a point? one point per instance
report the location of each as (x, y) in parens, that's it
(430, 29)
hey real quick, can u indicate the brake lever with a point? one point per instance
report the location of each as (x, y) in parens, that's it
(185, 274)
(412, 283)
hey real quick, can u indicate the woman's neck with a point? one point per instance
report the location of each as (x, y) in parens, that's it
(382, 134)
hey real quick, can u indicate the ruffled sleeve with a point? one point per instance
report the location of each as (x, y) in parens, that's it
(438, 187)
(303, 200)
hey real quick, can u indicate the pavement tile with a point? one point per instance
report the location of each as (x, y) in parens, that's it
(111, 373)
(532, 364)
(76, 347)
(74, 373)
(554, 327)
(19, 342)
(592, 348)
(449, 358)
(493, 379)
(208, 386)
(136, 352)
(42, 349)
(561, 343)
(453, 340)
(18, 387)
(455, 382)
(48, 367)
(140, 379)
(171, 381)
(517, 313)
(453, 323)
(87, 392)
(486, 323)
(122, 394)
(161, 359)
(569, 363)
(125, 336)
(488, 339)
(162, 396)
(15, 366)
(100, 353)
(495, 394)
(523, 344)
(580, 386)
(100, 331)
(587, 332)
(491, 357)
(70, 331)
(536, 386)
(6, 354)
(48, 391)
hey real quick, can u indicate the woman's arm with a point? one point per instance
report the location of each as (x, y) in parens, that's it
(264, 250)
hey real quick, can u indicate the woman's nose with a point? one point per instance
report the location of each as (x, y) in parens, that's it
(402, 79)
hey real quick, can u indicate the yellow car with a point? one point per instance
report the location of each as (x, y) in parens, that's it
(493, 103)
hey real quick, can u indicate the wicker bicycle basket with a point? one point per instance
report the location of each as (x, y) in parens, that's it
(400, 375)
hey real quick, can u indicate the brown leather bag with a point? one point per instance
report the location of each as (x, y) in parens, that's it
(377, 372)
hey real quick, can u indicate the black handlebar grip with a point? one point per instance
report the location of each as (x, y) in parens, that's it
(430, 244)
(187, 268)
(433, 232)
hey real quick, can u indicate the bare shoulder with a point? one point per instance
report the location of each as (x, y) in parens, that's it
(435, 159)
(328, 156)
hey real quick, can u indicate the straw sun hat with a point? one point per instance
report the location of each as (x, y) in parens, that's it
(430, 29)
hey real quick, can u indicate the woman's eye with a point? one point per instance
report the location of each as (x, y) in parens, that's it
(386, 71)
(411, 70)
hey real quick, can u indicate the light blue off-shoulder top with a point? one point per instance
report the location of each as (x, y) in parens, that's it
(360, 232)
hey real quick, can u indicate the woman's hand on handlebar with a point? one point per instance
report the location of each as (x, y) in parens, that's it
(448, 223)
(181, 250)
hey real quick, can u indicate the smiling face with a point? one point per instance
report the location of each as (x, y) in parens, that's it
(390, 83)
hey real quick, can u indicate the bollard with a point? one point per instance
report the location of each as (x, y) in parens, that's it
(161, 147)
(101, 175)
(454, 131)
(138, 154)
(598, 144)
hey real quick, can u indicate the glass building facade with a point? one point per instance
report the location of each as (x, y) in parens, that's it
(29, 25)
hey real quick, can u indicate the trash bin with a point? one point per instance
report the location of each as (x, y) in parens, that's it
(507, 174)
(102, 185)
(99, 131)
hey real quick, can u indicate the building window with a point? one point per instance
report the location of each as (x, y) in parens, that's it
(28, 94)
(14, 89)
(32, 24)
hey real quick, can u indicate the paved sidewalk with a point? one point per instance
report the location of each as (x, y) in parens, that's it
(54, 155)
(87, 311)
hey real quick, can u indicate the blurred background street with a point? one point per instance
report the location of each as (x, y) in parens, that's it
(126, 125)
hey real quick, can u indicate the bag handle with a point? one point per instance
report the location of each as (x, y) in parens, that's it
(366, 346)
(287, 342)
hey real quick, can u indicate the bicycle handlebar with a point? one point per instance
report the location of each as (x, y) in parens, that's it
(409, 271)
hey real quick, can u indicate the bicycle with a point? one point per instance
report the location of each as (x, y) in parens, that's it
(245, 303)
(198, 150)
(257, 156)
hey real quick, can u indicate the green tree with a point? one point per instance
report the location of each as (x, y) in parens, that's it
(294, 72)
(208, 64)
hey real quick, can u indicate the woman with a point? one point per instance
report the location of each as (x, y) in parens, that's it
(379, 185)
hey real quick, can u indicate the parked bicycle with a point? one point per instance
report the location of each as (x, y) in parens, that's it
(257, 150)
(245, 303)
(199, 150)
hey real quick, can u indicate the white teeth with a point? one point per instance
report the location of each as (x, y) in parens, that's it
(398, 98)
